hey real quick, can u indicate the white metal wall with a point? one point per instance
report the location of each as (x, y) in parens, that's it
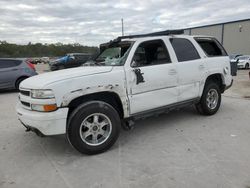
(234, 36)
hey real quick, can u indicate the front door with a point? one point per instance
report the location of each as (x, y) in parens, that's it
(151, 78)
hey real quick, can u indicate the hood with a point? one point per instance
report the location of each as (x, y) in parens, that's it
(40, 81)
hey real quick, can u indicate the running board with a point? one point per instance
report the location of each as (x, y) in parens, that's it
(162, 110)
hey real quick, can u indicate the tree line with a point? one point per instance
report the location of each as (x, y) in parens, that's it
(9, 50)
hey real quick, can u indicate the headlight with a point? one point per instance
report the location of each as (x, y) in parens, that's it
(44, 108)
(42, 94)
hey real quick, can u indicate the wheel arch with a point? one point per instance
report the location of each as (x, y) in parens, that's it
(109, 97)
(217, 78)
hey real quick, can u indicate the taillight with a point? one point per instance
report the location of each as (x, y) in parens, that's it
(31, 65)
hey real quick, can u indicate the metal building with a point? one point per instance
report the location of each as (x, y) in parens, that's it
(234, 35)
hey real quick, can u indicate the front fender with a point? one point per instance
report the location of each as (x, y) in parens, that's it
(118, 90)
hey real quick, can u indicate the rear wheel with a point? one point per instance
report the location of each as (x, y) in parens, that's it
(210, 100)
(93, 127)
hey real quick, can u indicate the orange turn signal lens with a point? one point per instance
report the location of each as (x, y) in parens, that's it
(49, 107)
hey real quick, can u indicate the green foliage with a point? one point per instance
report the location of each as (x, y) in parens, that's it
(42, 50)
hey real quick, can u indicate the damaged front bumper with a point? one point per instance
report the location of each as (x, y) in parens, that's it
(43, 123)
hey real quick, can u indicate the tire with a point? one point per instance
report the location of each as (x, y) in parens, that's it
(18, 82)
(247, 66)
(211, 99)
(93, 127)
(53, 68)
(60, 67)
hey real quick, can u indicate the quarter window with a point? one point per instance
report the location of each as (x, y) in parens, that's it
(184, 49)
(211, 47)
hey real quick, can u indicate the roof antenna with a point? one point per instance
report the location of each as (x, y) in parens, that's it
(122, 28)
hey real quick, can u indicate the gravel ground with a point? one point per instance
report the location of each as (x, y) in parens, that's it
(179, 149)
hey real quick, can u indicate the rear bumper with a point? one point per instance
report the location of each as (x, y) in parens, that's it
(47, 123)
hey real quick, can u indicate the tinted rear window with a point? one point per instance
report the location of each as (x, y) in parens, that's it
(9, 63)
(211, 47)
(184, 49)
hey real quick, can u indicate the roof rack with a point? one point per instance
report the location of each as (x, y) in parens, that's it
(160, 33)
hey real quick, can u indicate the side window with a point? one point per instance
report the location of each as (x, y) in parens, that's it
(184, 49)
(211, 47)
(18, 62)
(9, 63)
(151, 53)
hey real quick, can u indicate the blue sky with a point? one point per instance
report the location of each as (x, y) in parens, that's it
(94, 22)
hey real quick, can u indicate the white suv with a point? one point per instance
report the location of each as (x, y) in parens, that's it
(133, 77)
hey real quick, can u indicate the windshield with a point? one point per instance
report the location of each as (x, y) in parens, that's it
(62, 59)
(115, 55)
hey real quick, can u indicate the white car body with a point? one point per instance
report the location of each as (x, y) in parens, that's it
(165, 84)
(243, 62)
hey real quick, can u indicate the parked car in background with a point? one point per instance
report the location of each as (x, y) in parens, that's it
(243, 62)
(36, 60)
(14, 71)
(45, 59)
(69, 61)
(233, 57)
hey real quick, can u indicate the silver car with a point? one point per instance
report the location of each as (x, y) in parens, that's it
(13, 72)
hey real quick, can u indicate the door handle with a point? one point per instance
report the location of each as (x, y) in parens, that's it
(14, 69)
(172, 72)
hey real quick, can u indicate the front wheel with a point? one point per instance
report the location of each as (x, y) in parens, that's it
(211, 99)
(93, 127)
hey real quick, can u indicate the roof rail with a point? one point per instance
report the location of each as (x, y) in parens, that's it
(160, 33)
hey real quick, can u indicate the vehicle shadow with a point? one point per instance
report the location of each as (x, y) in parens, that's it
(59, 145)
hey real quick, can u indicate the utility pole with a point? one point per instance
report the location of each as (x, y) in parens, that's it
(122, 28)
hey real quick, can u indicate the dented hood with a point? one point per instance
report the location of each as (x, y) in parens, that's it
(40, 81)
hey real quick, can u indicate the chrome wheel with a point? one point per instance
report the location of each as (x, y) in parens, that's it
(95, 129)
(212, 99)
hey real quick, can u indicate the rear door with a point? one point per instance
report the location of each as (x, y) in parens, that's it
(8, 73)
(190, 67)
